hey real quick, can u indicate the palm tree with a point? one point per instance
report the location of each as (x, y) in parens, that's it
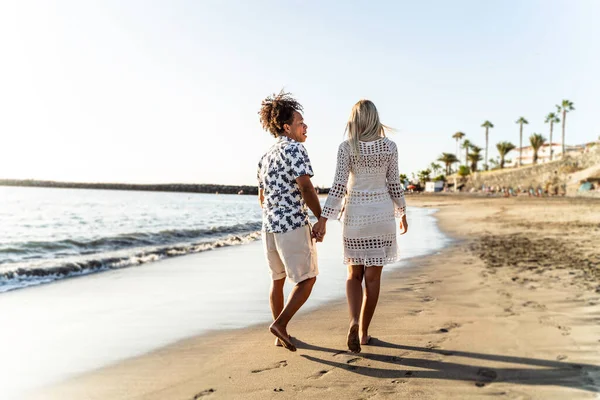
(504, 148)
(458, 137)
(564, 107)
(521, 121)
(424, 175)
(435, 168)
(552, 118)
(494, 163)
(467, 145)
(537, 141)
(474, 158)
(463, 171)
(448, 159)
(487, 125)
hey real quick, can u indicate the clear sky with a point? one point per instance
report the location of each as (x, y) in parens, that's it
(168, 91)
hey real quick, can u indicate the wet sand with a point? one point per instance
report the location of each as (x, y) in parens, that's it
(510, 309)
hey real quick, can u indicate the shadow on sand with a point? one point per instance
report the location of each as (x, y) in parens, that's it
(532, 372)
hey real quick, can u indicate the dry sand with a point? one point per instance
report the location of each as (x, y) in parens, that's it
(511, 309)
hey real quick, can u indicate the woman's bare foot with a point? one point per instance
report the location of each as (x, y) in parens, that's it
(364, 340)
(353, 340)
(283, 336)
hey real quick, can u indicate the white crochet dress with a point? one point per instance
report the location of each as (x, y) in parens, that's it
(367, 196)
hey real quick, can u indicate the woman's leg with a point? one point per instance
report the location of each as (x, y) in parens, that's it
(372, 286)
(354, 294)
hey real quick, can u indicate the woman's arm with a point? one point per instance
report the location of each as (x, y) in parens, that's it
(395, 188)
(337, 193)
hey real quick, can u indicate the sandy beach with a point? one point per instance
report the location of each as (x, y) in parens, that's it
(510, 309)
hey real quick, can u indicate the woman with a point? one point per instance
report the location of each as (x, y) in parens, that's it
(367, 191)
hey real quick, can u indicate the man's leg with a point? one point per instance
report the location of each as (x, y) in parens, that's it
(298, 297)
(278, 275)
(354, 294)
(372, 286)
(276, 297)
(276, 300)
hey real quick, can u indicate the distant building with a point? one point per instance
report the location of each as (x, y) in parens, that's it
(436, 186)
(543, 153)
(591, 146)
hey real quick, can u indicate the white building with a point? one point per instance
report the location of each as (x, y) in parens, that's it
(543, 154)
(436, 186)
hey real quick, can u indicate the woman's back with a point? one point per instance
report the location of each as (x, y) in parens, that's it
(369, 168)
(368, 195)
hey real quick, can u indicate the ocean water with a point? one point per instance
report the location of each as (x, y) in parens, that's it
(92, 277)
(48, 234)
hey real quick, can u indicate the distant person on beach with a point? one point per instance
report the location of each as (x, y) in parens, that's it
(285, 190)
(368, 196)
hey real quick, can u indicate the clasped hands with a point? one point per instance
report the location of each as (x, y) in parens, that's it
(318, 230)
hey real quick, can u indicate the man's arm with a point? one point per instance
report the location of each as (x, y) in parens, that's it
(309, 194)
(261, 196)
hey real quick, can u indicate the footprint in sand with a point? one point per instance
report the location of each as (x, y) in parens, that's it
(434, 344)
(448, 327)
(534, 304)
(487, 373)
(369, 389)
(403, 289)
(549, 321)
(279, 364)
(566, 330)
(485, 376)
(347, 357)
(319, 374)
(427, 299)
(204, 393)
(508, 312)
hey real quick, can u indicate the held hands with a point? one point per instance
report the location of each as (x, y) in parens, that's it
(403, 225)
(318, 231)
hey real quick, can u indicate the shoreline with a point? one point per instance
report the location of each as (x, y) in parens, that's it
(206, 188)
(434, 314)
(104, 318)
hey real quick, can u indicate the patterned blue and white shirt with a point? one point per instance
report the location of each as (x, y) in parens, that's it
(284, 208)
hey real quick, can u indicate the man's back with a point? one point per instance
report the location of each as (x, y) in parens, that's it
(284, 208)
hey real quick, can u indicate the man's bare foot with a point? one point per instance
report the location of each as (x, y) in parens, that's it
(353, 341)
(283, 337)
(364, 340)
(278, 342)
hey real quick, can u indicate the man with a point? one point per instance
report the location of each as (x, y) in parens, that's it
(285, 191)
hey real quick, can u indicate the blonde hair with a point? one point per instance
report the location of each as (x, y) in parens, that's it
(364, 125)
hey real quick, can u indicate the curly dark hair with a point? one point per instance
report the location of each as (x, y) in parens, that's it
(277, 110)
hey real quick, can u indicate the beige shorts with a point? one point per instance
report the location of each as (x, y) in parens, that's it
(292, 254)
